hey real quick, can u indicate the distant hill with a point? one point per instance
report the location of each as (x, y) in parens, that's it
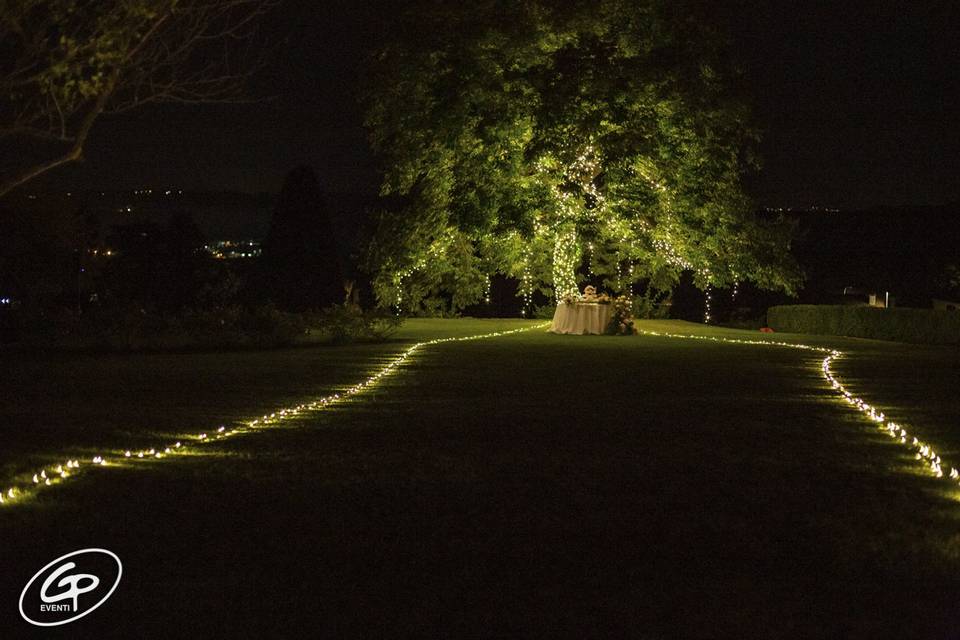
(220, 215)
(898, 249)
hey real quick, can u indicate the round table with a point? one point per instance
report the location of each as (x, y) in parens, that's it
(581, 317)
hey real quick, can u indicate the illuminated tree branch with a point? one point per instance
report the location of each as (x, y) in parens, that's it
(533, 128)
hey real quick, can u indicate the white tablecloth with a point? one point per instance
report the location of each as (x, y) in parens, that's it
(580, 318)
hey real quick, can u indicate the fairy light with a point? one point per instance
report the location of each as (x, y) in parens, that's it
(923, 452)
(920, 450)
(577, 197)
(707, 298)
(564, 263)
(526, 287)
(436, 249)
(667, 249)
(526, 277)
(29, 484)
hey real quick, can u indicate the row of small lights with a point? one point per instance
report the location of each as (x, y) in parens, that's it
(436, 249)
(60, 472)
(922, 451)
(56, 474)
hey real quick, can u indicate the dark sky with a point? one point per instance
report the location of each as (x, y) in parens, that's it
(859, 105)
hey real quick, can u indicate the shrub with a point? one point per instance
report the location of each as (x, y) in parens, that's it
(621, 320)
(348, 323)
(135, 329)
(922, 326)
(652, 305)
(544, 312)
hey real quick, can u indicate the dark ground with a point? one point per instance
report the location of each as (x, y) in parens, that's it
(527, 486)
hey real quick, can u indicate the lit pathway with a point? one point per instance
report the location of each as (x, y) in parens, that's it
(27, 485)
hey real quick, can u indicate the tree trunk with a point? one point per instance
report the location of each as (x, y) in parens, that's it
(565, 254)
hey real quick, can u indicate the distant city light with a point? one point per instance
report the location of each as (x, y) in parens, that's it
(233, 249)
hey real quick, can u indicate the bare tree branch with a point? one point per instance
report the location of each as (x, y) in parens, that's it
(71, 154)
(62, 67)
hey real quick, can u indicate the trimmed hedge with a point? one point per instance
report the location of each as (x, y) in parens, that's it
(922, 326)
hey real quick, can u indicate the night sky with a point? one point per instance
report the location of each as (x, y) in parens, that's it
(859, 108)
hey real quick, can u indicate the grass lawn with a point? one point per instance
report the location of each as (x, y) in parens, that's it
(528, 485)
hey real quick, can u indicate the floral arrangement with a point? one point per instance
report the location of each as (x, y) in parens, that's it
(589, 295)
(621, 320)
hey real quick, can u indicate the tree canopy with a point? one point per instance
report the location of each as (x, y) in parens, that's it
(65, 63)
(530, 137)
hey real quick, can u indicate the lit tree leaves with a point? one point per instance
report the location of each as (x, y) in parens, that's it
(535, 129)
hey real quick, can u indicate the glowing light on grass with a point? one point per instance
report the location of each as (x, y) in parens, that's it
(921, 451)
(59, 472)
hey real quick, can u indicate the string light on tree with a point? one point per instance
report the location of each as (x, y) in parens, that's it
(660, 155)
(565, 258)
(707, 299)
(526, 287)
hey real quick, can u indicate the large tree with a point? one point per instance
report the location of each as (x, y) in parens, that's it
(64, 63)
(527, 137)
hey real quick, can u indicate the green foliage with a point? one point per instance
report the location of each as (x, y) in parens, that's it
(652, 305)
(135, 329)
(132, 328)
(64, 63)
(544, 312)
(77, 48)
(621, 318)
(522, 132)
(346, 323)
(922, 326)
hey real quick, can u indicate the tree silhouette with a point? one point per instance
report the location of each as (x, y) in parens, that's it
(300, 252)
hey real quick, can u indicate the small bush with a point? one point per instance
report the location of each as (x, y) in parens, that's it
(651, 306)
(921, 326)
(348, 323)
(621, 320)
(544, 312)
(135, 329)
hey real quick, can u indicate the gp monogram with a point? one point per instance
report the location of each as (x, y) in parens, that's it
(72, 587)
